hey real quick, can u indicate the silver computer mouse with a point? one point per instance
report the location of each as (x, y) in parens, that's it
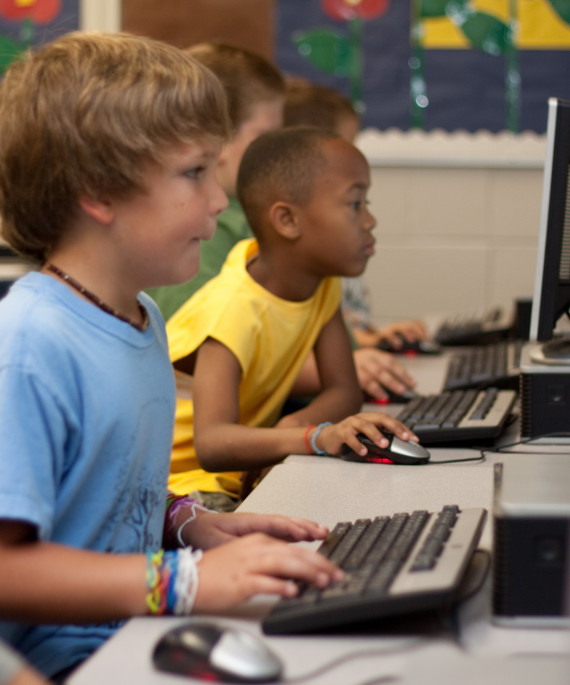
(398, 451)
(214, 653)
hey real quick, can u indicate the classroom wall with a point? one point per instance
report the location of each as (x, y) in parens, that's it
(458, 218)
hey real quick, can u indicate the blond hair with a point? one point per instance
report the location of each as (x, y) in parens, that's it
(247, 78)
(84, 115)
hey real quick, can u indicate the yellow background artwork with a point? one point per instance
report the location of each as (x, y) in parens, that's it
(540, 28)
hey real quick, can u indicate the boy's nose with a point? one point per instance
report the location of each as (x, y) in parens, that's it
(219, 199)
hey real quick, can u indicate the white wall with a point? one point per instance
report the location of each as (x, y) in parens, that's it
(100, 15)
(458, 218)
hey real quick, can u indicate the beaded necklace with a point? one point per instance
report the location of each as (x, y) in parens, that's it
(98, 301)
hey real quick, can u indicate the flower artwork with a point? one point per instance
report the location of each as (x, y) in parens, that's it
(27, 14)
(341, 53)
(465, 41)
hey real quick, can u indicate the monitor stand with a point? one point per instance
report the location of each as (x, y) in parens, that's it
(555, 352)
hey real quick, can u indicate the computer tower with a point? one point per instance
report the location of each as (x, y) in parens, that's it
(544, 396)
(531, 520)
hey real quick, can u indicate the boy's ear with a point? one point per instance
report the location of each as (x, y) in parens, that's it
(99, 210)
(285, 220)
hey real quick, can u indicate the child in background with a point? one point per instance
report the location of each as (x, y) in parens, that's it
(310, 104)
(246, 334)
(255, 92)
(108, 154)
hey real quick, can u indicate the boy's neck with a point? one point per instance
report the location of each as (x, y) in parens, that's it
(97, 280)
(280, 279)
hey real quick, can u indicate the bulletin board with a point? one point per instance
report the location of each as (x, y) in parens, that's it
(33, 22)
(448, 64)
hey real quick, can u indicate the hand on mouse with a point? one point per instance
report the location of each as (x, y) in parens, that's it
(400, 331)
(258, 564)
(332, 438)
(211, 529)
(377, 370)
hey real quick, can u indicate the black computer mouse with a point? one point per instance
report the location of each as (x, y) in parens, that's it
(401, 397)
(213, 653)
(398, 451)
(416, 347)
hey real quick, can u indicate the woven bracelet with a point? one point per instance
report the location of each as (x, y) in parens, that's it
(316, 434)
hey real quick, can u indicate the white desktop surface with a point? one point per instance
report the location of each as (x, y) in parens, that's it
(330, 490)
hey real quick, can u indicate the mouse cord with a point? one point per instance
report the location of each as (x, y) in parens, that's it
(481, 457)
(361, 654)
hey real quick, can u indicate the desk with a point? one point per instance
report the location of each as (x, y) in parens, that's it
(330, 490)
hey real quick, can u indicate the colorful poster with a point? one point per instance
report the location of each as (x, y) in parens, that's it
(449, 64)
(33, 22)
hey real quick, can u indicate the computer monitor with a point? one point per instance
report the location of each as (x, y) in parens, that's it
(552, 280)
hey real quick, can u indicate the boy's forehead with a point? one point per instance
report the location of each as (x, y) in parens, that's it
(201, 146)
(345, 160)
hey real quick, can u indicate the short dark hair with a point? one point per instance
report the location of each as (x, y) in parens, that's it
(280, 165)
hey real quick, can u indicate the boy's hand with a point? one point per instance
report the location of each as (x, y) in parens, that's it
(332, 438)
(210, 529)
(412, 331)
(258, 564)
(377, 370)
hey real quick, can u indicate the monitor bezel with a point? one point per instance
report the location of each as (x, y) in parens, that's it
(552, 297)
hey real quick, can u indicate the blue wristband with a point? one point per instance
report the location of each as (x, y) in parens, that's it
(320, 427)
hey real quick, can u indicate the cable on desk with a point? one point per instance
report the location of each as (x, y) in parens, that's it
(481, 457)
(362, 654)
(502, 449)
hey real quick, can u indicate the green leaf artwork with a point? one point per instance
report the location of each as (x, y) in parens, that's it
(562, 9)
(485, 32)
(326, 50)
(10, 48)
(431, 9)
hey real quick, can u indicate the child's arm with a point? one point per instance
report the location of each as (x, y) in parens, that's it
(339, 394)
(47, 582)
(223, 444)
(376, 371)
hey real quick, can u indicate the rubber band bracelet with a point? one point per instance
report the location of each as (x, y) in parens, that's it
(306, 438)
(316, 434)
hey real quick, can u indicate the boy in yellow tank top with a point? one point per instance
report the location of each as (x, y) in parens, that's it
(245, 335)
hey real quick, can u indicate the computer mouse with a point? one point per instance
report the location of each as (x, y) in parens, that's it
(392, 397)
(213, 653)
(401, 397)
(416, 347)
(398, 451)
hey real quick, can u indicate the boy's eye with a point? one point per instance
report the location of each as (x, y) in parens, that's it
(194, 172)
(358, 204)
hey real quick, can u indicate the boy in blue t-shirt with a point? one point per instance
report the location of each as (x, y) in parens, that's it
(107, 181)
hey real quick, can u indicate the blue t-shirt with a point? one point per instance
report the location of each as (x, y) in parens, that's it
(86, 417)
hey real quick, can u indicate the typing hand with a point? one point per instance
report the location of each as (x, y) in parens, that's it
(258, 564)
(211, 529)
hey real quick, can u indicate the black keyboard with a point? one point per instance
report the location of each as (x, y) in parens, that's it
(497, 365)
(475, 329)
(459, 415)
(395, 565)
